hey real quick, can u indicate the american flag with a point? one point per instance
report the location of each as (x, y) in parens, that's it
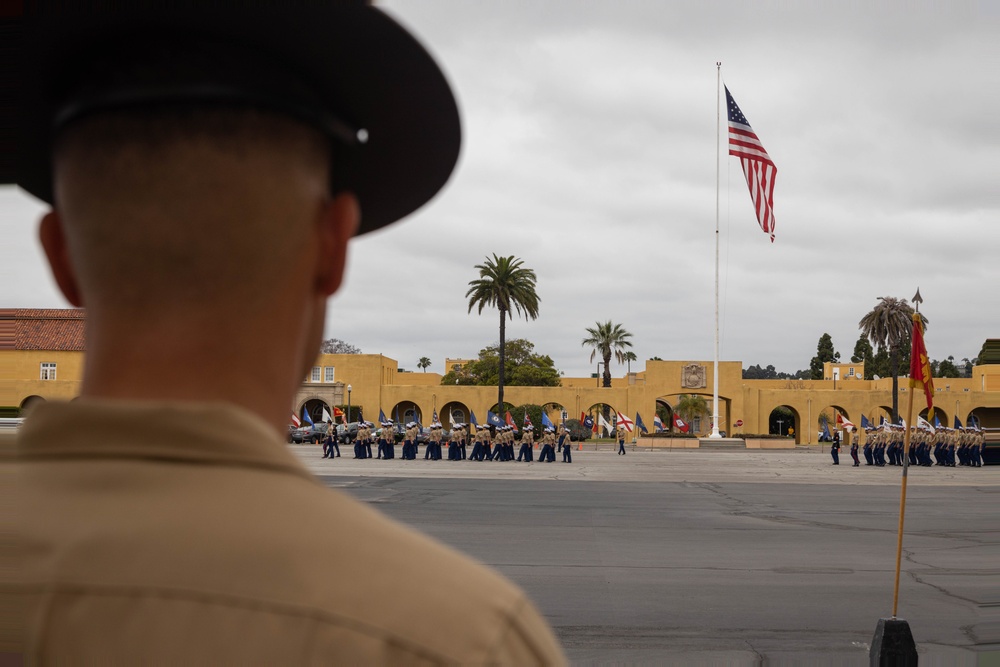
(757, 165)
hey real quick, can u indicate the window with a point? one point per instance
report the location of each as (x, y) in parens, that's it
(850, 372)
(328, 374)
(316, 373)
(48, 371)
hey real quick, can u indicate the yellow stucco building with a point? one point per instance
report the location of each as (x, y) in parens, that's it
(41, 358)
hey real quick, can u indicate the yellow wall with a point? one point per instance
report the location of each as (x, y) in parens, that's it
(20, 374)
(376, 384)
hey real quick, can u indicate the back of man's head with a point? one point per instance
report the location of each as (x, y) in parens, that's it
(187, 207)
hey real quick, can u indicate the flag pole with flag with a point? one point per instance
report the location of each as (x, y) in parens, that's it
(759, 170)
(892, 634)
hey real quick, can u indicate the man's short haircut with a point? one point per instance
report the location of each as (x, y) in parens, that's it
(185, 202)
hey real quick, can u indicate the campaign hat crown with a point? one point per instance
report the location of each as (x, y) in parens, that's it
(341, 66)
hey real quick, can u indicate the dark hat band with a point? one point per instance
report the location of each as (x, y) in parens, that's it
(205, 93)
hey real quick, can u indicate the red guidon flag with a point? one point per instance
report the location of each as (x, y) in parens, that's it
(680, 424)
(920, 365)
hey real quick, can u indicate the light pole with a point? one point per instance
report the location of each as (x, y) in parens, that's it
(348, 404)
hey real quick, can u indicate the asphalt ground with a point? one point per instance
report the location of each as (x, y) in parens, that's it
(693, 557)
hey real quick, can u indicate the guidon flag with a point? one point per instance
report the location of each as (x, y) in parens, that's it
(920, 365)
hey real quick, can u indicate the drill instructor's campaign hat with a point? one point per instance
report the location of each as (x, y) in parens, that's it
(341, 66)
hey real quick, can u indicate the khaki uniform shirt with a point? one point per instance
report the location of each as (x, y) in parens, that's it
(188, 534)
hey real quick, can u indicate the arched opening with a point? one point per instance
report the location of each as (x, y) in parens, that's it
(604, 416)
(984, 418)
(556, 413)
(318, 410)
(785, 420)
(695, 411)
(404, 412)
(30, 402)
(453, 412)
(664, 420)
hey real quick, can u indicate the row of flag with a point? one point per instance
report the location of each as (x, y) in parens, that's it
(493, 419)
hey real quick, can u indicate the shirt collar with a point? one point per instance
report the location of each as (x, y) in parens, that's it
(206, 433)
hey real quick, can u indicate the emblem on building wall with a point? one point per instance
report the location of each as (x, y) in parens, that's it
(693, 376)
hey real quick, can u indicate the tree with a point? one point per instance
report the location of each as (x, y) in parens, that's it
(506, 285)
(945, 368)
(522, 367)
(691, 406)
(862, 351)
(824, 353)
(424, 363)
(337, 346)
(607, 339)
(888, 327)
(629, 358)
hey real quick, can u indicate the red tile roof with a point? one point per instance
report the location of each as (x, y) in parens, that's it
(42, 329)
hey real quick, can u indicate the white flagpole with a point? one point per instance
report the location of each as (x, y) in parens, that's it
(718, 148)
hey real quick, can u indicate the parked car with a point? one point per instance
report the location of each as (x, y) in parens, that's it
(314, 434)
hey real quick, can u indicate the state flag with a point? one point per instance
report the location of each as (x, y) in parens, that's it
(306, 417)
(546, 422)
(639, 425)
(527, 420)
(844, 423)
(492, 419)
(296, 422)
(658, 424)
(326, 415)
(603, 423)
(623, 421)
(588, 423)
(381, 416)
(475, 422)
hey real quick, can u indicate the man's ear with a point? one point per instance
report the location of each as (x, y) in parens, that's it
(338, 222)
(50, 232)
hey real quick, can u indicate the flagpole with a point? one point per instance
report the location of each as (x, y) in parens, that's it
(718, 148)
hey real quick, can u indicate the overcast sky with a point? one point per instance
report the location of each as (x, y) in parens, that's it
(590, 152)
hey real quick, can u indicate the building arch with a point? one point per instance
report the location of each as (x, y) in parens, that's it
(315, 407)
(30, 401)
(700, 424)
(453, 412)
(405, 412)
(777, 424)
(983, 417)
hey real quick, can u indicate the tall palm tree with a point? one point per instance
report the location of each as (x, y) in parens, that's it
(629, 358)
(888, 327)
(607, 339)
(508, 286)
(423, 364)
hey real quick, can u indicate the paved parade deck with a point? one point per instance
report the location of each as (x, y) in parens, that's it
(696, 557)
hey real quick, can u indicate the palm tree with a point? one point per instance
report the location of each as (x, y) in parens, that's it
(423, 363)
(506, 285)
(607, 339)
(629, 358)
(888, 327)
(691, 406)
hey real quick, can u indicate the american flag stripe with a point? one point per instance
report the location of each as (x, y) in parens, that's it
(758, 167)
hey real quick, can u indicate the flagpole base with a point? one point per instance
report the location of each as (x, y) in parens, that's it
(893, 644)
(715, 433)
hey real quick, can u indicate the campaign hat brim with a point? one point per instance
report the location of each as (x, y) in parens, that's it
(357, 60)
